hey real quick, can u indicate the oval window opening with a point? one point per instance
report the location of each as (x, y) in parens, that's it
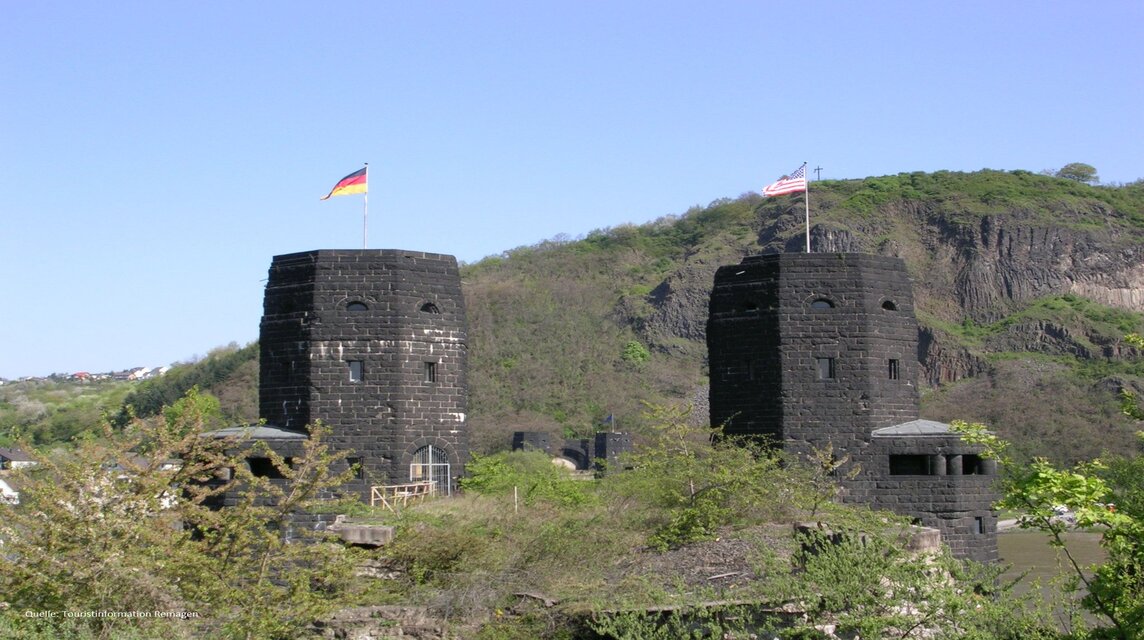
(429, 307)
(822, 303)
(889, 305)
(357, 307)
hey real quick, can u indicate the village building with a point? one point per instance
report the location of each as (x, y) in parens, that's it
(15, 459)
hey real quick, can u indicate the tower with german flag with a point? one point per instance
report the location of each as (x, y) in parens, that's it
(355, 183)
(373, 344)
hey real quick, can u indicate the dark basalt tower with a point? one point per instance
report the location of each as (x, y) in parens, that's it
(373, 343)
(806, 348)
(820, 349)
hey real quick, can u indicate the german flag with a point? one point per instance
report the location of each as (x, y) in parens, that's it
(349, 185)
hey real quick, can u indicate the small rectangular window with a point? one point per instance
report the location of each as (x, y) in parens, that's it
(893, 369)
(430, 372)
(356, 465)
(825, 368)
(357, 370)
(911, 465)
(265, 467)
(979, 525)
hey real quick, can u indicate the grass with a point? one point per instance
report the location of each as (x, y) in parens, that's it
(1088, 323)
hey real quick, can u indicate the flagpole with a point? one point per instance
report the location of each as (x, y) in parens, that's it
(806, 200)
(365, 212)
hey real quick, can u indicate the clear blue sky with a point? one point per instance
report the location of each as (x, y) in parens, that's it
(154, 156)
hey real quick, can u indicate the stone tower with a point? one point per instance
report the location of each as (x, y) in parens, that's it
(373, 344)
(819, 350)
(806, 348)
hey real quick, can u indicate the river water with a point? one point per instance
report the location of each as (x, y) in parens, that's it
(1029, 551)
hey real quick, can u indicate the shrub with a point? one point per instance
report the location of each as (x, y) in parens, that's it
(531, 473)
(635, 353)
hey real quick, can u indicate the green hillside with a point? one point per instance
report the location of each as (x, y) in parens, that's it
(554, 325)
(57, 410)
(1025, 285)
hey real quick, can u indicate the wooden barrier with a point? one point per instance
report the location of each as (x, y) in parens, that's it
(394, 495)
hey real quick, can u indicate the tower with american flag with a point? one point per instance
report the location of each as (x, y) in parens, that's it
(793, 183)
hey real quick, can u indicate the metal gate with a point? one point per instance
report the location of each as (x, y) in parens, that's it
(431, 464)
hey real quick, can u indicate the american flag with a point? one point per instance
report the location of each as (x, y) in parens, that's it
(793, 183)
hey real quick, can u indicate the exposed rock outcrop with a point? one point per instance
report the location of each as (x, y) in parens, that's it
(975, 268)
(1005, 260)
(944, 361)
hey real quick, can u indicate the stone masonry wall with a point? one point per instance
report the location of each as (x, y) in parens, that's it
(743, 351)
(956, 500)
(870, 323)
(766, 334)
(373, 343)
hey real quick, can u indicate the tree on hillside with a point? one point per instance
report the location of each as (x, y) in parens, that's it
(1078, 171)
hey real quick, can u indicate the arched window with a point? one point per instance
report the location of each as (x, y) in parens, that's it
(429, 307)
(431, 464)
(356, 306)
(821, 303)
(889, 305)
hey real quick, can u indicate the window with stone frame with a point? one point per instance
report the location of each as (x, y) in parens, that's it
(972, 465)
(826, 368)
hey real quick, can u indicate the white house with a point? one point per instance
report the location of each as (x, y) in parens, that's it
(15, 459)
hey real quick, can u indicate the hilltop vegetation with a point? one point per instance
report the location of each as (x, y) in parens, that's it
(47, 411)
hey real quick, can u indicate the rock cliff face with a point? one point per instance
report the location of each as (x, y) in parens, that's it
(1007, 260)
(979, 272)
(943, 363)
